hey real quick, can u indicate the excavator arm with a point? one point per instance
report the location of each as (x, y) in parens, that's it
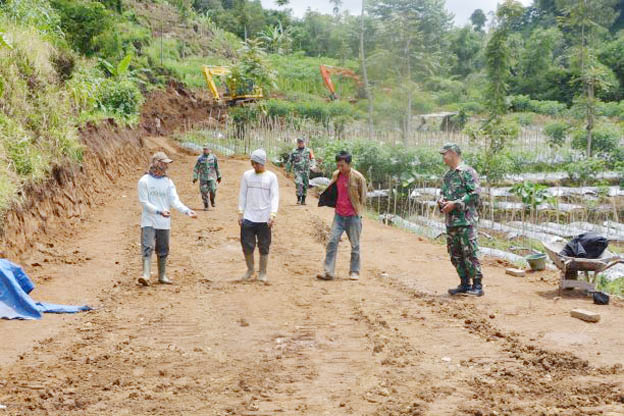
(239, 95)
(327, 71)
(209, 73)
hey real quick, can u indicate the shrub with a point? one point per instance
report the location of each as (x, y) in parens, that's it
(523, 103)
(119, 97)
(582, 171)
(605, 138)
(610, 109)
(519, 103)
(557, 132)
(314, 111)
(84, 23)
(524, 119)
(550, 108)
(278, 108)
(472, 107)
(33, 13)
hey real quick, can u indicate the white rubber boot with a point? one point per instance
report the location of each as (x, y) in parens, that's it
(249, 259)
(147, 271)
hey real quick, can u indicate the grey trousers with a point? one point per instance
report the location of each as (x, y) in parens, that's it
(353, 227)
(150, 238)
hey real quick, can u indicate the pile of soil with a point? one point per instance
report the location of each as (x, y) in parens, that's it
(178, 108)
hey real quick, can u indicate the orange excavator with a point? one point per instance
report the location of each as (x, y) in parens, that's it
(327, 71)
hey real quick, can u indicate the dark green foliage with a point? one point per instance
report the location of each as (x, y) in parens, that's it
(478, 19)
(557, 132)
(120, 97)
(86, 24)
(605, 139)
(582, 171)
(522, 103)
(466, 45)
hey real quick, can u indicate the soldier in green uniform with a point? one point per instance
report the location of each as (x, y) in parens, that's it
(459, 202)
(300, 160)
(207, 171)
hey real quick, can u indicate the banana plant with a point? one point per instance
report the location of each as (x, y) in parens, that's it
(532, 195)
(4, 41)
(122, 70)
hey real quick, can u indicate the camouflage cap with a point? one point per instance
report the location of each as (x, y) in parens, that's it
(300, 140)
(206, 146)
(161, 157)
(450, 146)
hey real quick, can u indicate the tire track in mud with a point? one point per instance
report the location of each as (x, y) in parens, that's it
(528, 379)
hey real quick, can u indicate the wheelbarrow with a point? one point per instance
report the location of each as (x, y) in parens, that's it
(571, 266)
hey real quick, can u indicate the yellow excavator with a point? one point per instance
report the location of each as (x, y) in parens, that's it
(237, 94)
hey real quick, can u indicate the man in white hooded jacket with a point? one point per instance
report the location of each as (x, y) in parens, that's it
(157, 194)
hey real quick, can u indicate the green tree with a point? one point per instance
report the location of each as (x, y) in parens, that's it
(586, 21)
(498, 57)
(252, 69)
(478, 20)
(538, 59)
(85, 23)
(466, 46)
(414, 32)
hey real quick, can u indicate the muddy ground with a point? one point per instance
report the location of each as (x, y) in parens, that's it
(392, 343)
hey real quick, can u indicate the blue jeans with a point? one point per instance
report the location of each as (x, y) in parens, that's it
(353, 227)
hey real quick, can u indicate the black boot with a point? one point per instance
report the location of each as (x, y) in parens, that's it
(463, 287)
(303, 200)
(476, 289)
(205, 205)
(298, 199)
(212, 200)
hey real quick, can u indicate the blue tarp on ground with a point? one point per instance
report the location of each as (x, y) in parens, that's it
(15, 303)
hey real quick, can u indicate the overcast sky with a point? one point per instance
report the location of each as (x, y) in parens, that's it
(462, 9)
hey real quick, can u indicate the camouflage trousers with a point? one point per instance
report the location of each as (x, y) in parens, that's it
(462, 246)
(302, 182)
(208, 190)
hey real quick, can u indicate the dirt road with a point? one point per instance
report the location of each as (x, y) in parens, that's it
(391, 344)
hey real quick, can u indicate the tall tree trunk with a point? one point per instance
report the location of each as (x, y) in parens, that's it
(408, 82)
(369, 97)
(590, 116)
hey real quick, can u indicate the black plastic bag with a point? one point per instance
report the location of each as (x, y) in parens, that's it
(600, 298)
(587, 245)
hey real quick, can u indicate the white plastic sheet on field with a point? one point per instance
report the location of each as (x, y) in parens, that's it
(434, 229)
(553, 176)
(319, 182)
(505, 255)
(378, 193)
(420, 229)
(570, 230)
(555, 191)
(615, 225)
(516, 232)
(519, 206)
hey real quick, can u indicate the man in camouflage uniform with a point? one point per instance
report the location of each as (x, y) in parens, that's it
(459, 202)
(300, 160)
(207, 171)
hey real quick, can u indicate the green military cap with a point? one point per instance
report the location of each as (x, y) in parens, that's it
(450, 146)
